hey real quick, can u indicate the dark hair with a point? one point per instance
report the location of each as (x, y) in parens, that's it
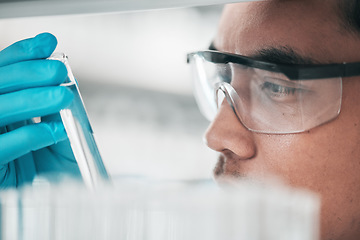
(350, 14)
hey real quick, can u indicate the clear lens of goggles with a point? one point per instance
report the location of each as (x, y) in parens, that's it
(265, 101)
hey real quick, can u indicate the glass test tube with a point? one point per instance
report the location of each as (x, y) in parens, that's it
(80, 133)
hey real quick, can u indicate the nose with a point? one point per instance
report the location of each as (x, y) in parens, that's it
(226, 133)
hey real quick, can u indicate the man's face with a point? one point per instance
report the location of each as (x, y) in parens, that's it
(325, 159)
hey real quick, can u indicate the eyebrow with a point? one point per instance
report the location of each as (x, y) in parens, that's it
(278, 55)
(282, 55)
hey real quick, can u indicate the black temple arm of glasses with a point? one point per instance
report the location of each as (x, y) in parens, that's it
(351, 69)
(294, 72)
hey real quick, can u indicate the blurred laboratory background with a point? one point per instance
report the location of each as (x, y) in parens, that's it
(132, 72)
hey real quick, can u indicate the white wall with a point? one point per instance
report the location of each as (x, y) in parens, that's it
(146, 49)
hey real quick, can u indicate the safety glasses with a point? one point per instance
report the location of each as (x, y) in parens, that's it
(266, 97)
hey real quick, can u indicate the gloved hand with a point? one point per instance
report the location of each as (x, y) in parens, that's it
(29, 87)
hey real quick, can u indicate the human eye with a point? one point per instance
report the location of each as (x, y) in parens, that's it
(281, 90)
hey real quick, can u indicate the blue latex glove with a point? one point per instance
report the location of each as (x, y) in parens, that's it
(29, 87)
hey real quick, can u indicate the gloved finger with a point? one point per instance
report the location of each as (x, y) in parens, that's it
(39, 47)
(34, 102)
(51, 118)
(21, 141)
(29, 74)
(56, 158)
(63, 148)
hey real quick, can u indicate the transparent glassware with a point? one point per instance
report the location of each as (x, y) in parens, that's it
(80, 133)
(155, 210)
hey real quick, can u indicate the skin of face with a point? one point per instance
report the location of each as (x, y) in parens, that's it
(325, 159)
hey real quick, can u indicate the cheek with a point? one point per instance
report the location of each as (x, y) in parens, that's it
(325, 160)
(290, 157)
(309, 159)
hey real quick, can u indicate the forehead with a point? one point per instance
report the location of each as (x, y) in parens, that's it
(310, 27)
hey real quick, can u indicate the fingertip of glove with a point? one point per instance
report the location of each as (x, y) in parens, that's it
(42, 101)
(36, 136)
(64, 95)
(39, 47)
(45, 44)
(58, 72)
(45, 36)
(57, 131)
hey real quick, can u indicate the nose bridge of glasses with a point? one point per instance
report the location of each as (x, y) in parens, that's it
(231, 97)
